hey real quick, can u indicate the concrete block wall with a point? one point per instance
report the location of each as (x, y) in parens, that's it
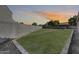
(9, 28)
(22, 29)
(6, 30)
(14, 30)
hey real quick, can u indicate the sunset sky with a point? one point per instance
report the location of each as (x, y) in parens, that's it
(42, 13)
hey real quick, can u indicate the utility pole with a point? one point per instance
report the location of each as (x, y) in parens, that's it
(77, 21)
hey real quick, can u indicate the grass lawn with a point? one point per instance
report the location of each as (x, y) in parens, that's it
(45, 41)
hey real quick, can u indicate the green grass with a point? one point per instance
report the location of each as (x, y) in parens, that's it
(45, 41)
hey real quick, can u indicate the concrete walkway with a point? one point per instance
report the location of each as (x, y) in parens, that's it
(8, 48)
(74, 46)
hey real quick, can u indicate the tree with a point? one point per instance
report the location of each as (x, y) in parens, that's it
(72, 21)
(21, 23)
(35, 24)
(56, 22)
(53, 23)
(50, 23)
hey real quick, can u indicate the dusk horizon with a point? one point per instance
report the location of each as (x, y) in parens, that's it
(43, 13)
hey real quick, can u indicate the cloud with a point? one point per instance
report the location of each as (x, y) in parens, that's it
(62, 16)
(30, 17)
(42, 17)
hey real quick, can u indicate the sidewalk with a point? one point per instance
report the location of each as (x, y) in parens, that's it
(74, 46)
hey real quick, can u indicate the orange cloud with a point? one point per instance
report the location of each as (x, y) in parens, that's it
(55, 16)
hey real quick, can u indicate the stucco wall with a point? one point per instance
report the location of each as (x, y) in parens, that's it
(5, 14)
(14, 30)
(22, 29)
(9, 28)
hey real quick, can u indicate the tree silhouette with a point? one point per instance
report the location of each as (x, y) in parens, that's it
(50, 23)
(35, 24)
(53, 23)
(72, 21)
(56, 22)
(21, 23)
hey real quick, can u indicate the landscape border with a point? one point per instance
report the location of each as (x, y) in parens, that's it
(19, 47)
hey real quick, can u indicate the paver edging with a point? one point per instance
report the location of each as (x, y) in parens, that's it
(19, 47)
